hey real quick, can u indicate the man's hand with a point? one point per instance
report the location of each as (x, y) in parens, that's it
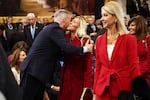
(89, 45)
(45, 96)
(93, 34)
(56, 88)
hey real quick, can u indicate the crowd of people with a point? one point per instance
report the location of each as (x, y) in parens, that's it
(73, 58)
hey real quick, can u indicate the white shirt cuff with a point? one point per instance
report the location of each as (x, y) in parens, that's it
(85, 50)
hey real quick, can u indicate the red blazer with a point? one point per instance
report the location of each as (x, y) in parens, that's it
(117, 73)
(143, 47)
(77, 73)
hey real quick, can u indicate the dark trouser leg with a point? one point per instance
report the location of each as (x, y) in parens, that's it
(33, 89)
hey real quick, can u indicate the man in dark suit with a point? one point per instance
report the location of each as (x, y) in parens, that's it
(9, 37)
(32, 29)
(37, 69)
(8, 84)
(91, 27)
(10, 25)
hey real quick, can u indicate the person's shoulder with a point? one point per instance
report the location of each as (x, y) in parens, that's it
(86, 37)
(128, 35)
(26, 26)
(102, 35)
(53, 27)
(39, 24)
(148, 36)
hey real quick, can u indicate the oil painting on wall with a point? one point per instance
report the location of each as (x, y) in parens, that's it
(21, 7)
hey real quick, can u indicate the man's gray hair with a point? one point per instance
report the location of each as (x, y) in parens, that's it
(31, 14)
(60, 15)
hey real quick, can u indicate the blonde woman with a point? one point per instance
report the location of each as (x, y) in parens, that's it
(77, 70)
(116, 55)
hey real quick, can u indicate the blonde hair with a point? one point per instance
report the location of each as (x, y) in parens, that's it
(114, 8)
(81, 31)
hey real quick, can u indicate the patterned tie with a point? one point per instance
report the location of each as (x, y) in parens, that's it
(32, 31)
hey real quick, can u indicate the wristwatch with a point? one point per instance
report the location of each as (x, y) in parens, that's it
(52, 86)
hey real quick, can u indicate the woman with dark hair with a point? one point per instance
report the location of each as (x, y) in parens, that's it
(138, 28)
(21, 45)
(18, 57)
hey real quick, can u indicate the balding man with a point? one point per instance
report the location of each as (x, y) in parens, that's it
(32, 29)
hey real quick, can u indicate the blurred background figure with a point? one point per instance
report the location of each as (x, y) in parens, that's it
(44, 21)
(99, 24)
(17, 58)
(126, 20)
(100, 30)
(23, 22)
(91, 28)
(9, 24)
(32, 29)
(63, 4)
(19, 45)
(9, 37)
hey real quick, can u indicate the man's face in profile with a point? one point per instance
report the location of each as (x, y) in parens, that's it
(67, 21)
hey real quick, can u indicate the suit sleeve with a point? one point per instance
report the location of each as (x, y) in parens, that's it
(60, 40)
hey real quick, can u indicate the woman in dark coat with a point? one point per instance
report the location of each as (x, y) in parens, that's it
(8, 84)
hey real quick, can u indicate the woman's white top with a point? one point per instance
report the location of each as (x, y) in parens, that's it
(16, 74)
(110, 48)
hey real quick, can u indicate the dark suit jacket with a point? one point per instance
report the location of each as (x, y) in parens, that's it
(12, 36)
(44, 53)
(8, 84)
(90, 30)
(100, 32)
(131, 8)
(28, 35)
(13, 24)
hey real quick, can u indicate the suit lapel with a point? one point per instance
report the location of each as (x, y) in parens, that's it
(36, 29)
(29, 31)
(104, 48)
(116, 47)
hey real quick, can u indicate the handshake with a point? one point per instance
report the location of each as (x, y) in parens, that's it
(89, 45)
